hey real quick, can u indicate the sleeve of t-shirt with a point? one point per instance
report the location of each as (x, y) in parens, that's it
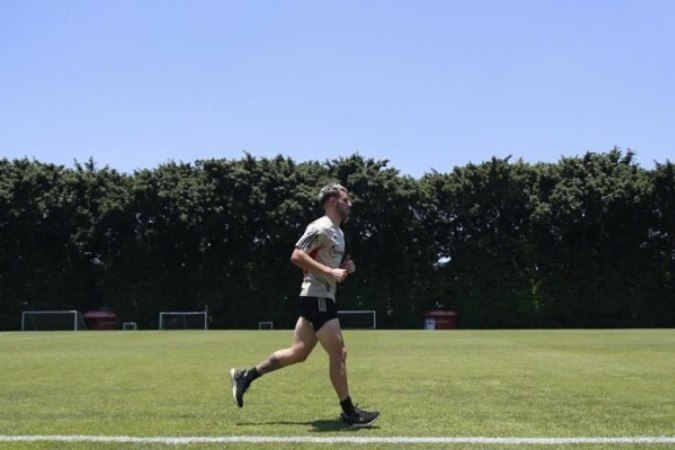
(311, 240)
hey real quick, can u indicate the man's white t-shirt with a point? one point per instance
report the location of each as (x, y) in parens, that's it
(325, 242)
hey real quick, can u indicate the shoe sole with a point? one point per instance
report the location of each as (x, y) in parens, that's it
(234, 388)
(362, 425)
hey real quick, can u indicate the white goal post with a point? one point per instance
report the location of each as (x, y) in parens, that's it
(52, 320)
(183, 320)
(266, 325)
(361, 318)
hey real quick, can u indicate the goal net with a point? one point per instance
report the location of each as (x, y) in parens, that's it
(52, 321)
(362, 318)
(266, 325)
(183, 320)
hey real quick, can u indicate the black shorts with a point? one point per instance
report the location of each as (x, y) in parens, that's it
(318, 310)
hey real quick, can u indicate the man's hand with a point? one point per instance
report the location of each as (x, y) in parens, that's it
(338, 275)
(349, 266)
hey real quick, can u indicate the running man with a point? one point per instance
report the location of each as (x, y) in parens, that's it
(320, 253)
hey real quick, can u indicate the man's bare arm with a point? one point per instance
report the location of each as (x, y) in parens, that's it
(306, 262)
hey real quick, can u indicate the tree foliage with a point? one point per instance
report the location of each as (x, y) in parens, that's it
(586, 242)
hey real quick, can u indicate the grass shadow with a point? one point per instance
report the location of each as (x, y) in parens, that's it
(316, 426)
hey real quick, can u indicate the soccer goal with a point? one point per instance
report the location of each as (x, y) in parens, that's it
(266, 325)
(52, 321)
(130, 326)
(362, 318)
(183, 320)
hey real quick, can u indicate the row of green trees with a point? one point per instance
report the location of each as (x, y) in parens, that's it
(585, 242)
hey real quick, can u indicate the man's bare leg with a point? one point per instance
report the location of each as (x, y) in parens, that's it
(331, 339)
(330, 336)
(304, 341)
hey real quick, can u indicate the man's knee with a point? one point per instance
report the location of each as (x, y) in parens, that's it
(339, 355)
(300, 353)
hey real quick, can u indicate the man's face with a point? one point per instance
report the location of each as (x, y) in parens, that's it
(343, 205)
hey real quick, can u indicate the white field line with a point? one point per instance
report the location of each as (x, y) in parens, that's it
(185, 440)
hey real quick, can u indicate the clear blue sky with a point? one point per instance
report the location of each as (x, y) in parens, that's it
(425, 84)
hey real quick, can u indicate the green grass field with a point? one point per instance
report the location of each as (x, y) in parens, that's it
(567, 383)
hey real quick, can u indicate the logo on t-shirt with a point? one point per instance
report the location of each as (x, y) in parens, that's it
(335, 251)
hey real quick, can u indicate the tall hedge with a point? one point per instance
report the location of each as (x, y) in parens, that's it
(585, 242)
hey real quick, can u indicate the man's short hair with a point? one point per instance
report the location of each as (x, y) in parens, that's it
(330, 190)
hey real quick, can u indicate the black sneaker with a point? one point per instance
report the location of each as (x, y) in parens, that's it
(360, 418)
(239, 385)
